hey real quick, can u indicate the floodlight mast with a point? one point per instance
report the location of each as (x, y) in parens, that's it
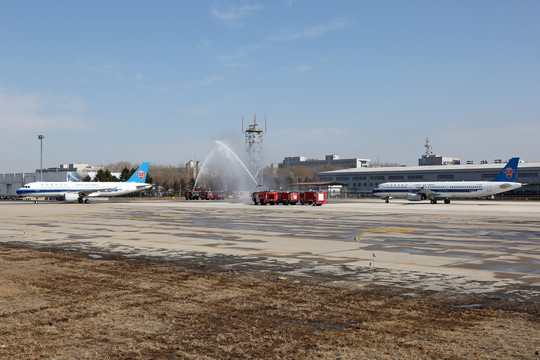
(40, 137)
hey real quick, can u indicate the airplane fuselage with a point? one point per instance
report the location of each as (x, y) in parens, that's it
(81, 191)
(443, 190)
(96, 189)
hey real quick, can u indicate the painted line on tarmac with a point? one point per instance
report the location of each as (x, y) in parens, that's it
(157, 218)
(391, 230)
(82, 214)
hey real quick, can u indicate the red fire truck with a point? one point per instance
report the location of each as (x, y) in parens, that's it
(313, 197)
(219, 195)
(265, 197)
(192, 195)
(207, 195)
(288, 197)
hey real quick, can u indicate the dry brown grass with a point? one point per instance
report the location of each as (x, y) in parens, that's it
(67, 306)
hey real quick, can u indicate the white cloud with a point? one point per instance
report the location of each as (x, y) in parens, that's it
(242, 52)
(303, 67)
(204, 44)
(41, 112)
(233, 15)
(308, 32)
(142, 84)
(207, 81)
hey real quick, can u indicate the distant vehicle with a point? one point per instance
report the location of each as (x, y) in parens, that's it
(288, 197)
(82, 191)
(220, 195)
(445, 190)
(207, 195)
(265, 197)
(192, 195)
(317, 198)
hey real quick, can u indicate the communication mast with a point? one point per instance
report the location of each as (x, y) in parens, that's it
(429, 152)
(254, 148)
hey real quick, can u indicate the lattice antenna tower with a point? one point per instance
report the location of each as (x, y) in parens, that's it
(254, 148)
(429, 151)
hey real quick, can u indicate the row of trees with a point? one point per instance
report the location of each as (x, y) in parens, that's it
(107, 176)
(175, 180)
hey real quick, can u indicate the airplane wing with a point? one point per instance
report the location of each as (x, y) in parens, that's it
(88, 192)
(143, 186)
(429, 193)
(505, 186)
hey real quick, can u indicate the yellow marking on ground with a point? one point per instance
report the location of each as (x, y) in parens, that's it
(82, 214)
(157, 218)
(395, 230)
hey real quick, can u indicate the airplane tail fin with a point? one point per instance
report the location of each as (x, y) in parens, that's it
(508, 174)
(139, 176)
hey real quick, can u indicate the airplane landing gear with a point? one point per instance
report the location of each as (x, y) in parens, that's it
(433, 201)
(447, 201)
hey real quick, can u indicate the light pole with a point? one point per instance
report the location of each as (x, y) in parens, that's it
(40, 137)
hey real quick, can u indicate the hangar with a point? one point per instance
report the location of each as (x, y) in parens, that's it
(360, 181)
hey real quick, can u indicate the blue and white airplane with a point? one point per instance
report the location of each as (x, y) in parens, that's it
(81, 191)
(444, 190)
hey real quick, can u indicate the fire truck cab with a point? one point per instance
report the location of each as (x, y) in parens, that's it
(313, 198)
(192, 195)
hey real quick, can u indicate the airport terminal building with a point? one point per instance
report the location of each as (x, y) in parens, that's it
(361, 181)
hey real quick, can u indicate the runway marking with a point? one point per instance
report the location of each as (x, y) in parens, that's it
(396, 230)
(82, 214)
(157, 218)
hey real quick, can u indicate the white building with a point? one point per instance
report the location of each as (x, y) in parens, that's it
(330, 160)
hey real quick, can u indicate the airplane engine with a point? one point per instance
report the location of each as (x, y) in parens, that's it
(416, 197)
(70, 197)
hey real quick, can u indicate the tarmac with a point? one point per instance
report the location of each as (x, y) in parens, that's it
(480, 247)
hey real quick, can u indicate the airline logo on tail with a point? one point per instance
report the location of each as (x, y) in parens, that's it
(509, 172)
(139, 176)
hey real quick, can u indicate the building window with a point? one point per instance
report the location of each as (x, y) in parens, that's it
(445, 176)
(395, 177)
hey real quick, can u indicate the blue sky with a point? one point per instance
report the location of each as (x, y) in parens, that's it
(110, 81)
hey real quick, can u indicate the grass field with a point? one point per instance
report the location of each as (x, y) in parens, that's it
(58, 305)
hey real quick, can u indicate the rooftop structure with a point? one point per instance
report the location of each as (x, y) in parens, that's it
(330, 160)
(429, 159)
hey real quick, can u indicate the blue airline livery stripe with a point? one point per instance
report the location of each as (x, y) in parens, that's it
(27, 192)
(417, 190)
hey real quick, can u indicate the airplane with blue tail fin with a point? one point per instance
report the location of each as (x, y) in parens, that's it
(445, 190)
(82, 191)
